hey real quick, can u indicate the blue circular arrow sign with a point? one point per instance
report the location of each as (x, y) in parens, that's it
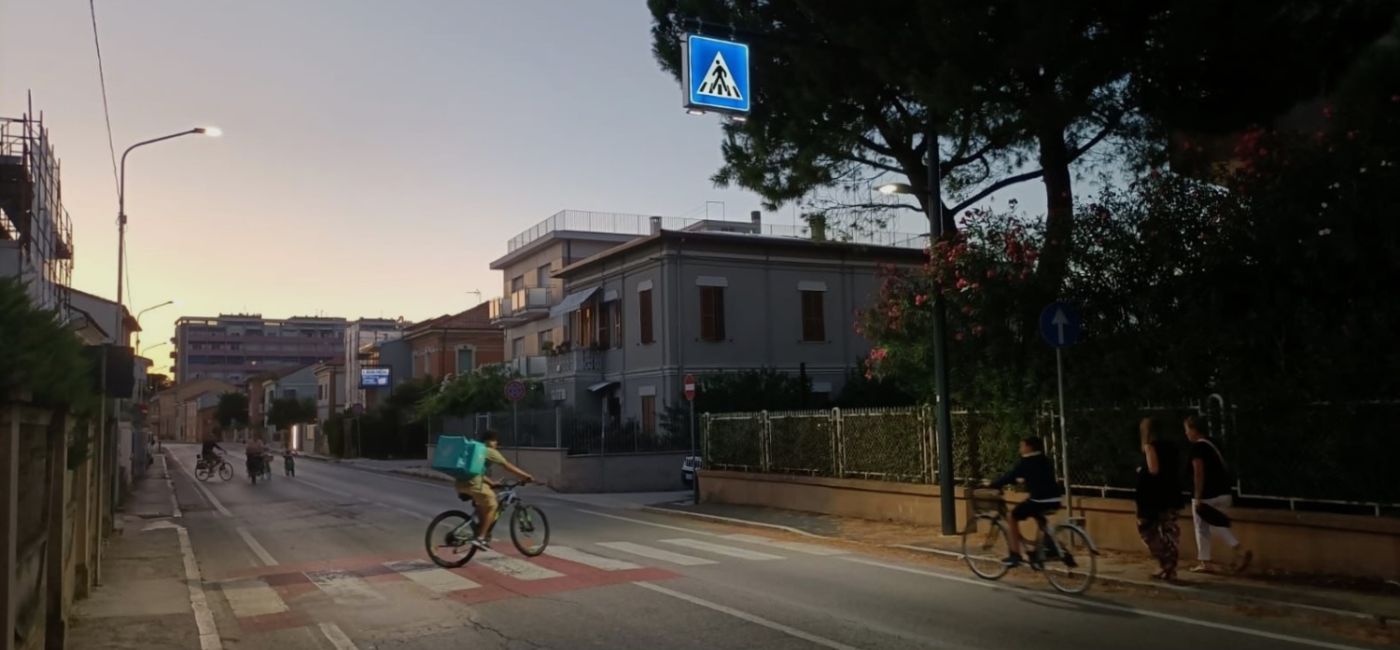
(515, 390)
(1061, 324)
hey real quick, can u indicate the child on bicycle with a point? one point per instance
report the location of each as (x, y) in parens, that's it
(478, 488)
(1038, 473)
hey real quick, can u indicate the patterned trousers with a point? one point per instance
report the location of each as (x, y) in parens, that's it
(1163, 538)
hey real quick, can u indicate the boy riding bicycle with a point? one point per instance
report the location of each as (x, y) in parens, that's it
(1038, 473)
(478, 488)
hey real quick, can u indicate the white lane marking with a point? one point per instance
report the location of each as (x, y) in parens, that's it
(344, 587)
(430, 577)
(203, 617)
(719, 549)
(589, 559)
(1082, 602)
(751, 618)
(656, 553)
(800, 547)
(258, 550)
(518, 569)
(337, 638)
(208, 496)
(647, 523)
(252, 597)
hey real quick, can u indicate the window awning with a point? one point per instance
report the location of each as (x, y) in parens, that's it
(571, 302)
(602, 385)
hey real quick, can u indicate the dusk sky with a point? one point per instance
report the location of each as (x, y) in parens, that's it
(376, 155)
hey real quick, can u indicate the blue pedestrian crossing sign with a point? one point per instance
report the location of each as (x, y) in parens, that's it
(1060, 324)
(715, 75)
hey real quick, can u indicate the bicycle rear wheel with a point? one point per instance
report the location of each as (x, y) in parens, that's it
(985, 551)
(529, 530)
(1072, 564)
(201, 472)
(448, 539)
(225, 471)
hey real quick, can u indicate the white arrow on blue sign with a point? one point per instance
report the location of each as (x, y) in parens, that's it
(1060, 324)
(715, 75)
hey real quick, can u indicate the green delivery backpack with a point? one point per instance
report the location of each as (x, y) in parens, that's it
(459, 457)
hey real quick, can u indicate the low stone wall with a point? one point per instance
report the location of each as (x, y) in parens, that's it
(631, 472)
(1301, 542)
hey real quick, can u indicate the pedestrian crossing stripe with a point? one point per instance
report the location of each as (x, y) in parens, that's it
(719, 81)
(720, 549)
(656, 553)
(800, 547)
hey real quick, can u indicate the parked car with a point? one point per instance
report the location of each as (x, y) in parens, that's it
(688, 467)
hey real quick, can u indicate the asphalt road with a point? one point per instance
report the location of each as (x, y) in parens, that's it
(333, 558)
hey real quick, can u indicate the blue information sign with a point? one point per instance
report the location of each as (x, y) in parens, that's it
(715, 74)
(1060, 324)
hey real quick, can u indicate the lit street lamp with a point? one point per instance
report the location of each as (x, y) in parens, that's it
(138, 319)
(942, 413)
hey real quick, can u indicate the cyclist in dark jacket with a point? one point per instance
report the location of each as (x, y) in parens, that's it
(1038, 473)
(206, 453)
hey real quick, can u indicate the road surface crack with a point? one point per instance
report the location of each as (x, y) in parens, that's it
(509, 640)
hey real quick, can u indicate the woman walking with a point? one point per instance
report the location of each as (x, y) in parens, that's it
(1159, 499)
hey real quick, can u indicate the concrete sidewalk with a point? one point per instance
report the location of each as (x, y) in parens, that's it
(145, 596)
(1376, 602)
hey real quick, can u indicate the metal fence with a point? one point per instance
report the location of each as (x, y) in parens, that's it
(1330, 456)
(568, 429)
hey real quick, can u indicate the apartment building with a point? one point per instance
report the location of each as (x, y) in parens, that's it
(529, 288)
(360, 335)
(637, 318)
(235, 347)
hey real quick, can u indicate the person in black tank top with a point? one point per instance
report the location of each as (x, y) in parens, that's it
(1210, 488)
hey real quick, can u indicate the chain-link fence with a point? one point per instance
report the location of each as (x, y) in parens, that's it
(580, 433)
(1312, 456)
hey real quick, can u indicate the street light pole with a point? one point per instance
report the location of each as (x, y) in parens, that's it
(942, 412)
(942, 409)
(121, 214)
(138, 320)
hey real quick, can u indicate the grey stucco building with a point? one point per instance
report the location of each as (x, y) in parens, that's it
(637, 318)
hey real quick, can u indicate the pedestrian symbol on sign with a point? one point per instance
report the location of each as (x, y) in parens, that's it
(718, 82)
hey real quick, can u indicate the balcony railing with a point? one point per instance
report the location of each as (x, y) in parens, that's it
(531, 366)
(529, 299)
(573, 362)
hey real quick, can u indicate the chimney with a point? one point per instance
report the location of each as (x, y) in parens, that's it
(817, 222)
(655, 225)
(757, 218)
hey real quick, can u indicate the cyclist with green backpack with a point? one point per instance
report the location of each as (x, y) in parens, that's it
(479, 488)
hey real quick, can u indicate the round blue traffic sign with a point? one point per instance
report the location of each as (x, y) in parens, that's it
(515, 390)
(1061, 324)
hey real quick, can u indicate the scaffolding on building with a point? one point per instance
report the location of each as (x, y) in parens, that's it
(36, 234)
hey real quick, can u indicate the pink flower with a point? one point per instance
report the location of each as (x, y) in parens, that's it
(977, 330)
(962, 283)
(991, 274)
(878, 354)
(920, 299)
(869, 375)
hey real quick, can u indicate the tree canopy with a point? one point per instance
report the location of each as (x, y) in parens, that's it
(232, 409)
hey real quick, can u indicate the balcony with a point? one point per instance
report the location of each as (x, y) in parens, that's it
(521, 306)
(569, 363)
(532, 366)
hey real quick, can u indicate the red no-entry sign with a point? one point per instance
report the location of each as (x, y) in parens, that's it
(689, 384)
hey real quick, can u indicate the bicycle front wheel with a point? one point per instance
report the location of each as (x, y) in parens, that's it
(448, 539)
(226, 472)
(985, 551)
(1072, 564)
(529, 530)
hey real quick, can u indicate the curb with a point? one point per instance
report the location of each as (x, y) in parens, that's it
(1202, 594)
